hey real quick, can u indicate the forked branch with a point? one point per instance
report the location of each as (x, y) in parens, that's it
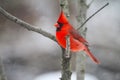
(93, 15)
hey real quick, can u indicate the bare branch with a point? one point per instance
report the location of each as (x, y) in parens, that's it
(66, 67)
(80, 59)
(26, 25)
(67, 54)
(65, 7)
(93, 15)
(81, 63)
(66, 71)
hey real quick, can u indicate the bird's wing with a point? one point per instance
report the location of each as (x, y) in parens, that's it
(77, 36)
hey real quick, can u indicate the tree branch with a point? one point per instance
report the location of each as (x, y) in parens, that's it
(80, 58)
(93, 15)
(66, 69)
(26, 25)
(65, 7)
(66, 55)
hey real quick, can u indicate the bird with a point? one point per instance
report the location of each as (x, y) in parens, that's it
(77, 42)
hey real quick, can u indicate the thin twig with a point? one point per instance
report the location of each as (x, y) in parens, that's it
(67, 54)
(92, 15)
(26, 25)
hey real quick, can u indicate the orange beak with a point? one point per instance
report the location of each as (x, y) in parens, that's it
(56, 25)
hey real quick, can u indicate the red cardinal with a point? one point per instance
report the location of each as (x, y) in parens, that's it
(77, 42)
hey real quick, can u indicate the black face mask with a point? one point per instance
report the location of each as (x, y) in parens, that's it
(60, 26)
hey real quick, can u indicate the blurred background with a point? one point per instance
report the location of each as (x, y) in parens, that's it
(27, 55)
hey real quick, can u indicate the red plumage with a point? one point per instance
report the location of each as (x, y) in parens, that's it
(77, 42)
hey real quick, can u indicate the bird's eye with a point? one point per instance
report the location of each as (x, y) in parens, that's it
(60, 24)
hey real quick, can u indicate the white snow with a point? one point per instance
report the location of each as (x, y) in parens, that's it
(57, 75)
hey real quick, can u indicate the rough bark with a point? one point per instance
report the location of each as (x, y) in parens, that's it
(66, 54)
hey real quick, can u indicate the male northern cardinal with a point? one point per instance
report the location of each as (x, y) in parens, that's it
(77, 42)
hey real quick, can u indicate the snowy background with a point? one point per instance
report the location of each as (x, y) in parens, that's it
(28, 55)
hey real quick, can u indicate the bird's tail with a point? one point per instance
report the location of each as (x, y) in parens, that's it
(92, 56)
